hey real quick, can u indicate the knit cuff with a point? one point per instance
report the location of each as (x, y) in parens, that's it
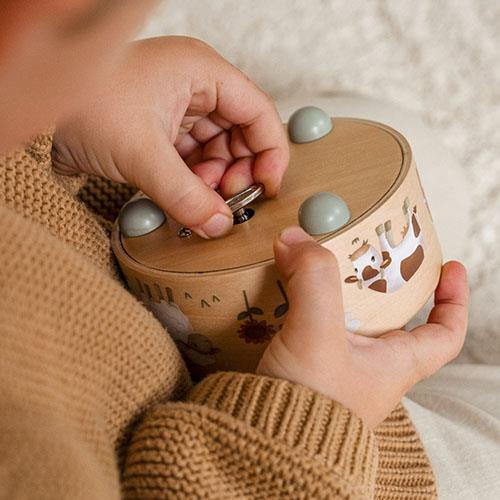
(297, 416)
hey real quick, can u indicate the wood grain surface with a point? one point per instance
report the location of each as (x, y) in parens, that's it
(358, 161)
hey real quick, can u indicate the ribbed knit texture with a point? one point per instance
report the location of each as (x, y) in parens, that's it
(403, 469)
(95, 401)
(268, 438)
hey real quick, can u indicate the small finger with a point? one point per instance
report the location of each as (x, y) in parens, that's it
(314, 287)
(436, 343)
(451, 298)
(237, 177)
(206, 129)
(215, 160)
(211, 171)
(182, 194)
(186, 145)
(239, 147)
(269, 168)
(242, 103)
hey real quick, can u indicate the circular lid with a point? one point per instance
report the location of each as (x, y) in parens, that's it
(362, 162)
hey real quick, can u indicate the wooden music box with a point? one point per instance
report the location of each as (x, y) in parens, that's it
(358, 192)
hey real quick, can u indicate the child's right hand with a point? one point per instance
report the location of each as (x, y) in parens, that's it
(367, 375)
(178, 121)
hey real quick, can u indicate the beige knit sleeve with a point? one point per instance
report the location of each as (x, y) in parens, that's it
(245, 436)
(80, 362)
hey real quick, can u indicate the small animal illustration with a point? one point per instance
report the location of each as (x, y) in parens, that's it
(388, 271)
(194, 346)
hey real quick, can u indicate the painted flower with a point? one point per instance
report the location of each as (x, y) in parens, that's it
(256, 332)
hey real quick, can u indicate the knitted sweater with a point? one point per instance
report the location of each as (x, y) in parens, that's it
(95, 400)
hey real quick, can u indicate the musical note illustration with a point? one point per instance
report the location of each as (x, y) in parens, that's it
(282, 308)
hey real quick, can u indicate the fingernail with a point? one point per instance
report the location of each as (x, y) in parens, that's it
(218, 225)
(293, 235)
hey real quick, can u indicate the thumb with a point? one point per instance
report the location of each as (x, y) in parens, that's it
(314, 288)
(182, 194)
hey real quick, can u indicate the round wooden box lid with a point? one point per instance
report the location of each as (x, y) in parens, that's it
(363, 162)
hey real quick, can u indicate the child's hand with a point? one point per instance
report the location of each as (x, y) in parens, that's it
(177, 122)
(367, 375)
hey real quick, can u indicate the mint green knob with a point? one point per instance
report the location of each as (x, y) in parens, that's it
(323, 213)
(140, 217)
(309, 124)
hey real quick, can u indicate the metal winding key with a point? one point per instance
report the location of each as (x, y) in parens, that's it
(237, 204)
(239, 201)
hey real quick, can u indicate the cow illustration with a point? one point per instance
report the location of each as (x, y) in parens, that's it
(388, 270)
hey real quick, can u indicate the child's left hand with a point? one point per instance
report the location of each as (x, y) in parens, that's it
(367, 375)
(177, 122)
